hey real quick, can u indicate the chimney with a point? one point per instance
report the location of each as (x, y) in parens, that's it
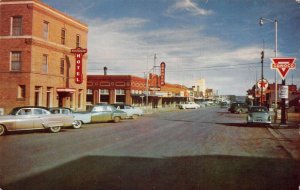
(105, 70)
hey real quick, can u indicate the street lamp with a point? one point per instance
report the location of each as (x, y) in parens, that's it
(261, 22)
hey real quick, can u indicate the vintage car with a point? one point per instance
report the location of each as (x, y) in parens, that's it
(238, 107)
(189, 105)
(31, 118)
(258, 114)
(99, 113)
(66, 111)
(131, 111)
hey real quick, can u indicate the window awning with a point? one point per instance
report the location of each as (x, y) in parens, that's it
(66, 90)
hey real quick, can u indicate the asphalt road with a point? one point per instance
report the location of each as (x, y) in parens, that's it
(188, 149)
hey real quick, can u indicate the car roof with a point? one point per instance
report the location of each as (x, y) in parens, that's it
(21, 107)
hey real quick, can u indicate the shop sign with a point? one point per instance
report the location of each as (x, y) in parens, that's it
(284, 92)
(79, 52)
(262, 84)
(162, 73)
(283, 65)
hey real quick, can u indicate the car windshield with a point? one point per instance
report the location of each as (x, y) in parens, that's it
(259, 109)
(14, 111)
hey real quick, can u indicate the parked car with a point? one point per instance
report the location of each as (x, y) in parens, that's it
(258, 114)
(189, 105)
(131, 111)
(66, 111)
(99, 113)
(238, 108)
(31, 118)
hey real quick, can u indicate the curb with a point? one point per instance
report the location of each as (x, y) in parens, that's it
(285, 126)
(283, 141)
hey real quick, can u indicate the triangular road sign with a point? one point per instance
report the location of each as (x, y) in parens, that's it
(283, 65)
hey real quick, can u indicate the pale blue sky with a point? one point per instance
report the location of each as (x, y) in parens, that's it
(219, 40)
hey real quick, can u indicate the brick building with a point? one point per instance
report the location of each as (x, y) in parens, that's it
(37, 66)
(269, 96)
(132, 90)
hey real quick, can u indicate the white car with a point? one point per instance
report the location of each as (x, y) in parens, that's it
(32, 118)
(131, 111)
(189, 105)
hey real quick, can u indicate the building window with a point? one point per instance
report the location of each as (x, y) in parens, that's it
(15, 64)
(104, 92)
(77, 40)
(45, 30)
(89, 91)
(63, 36)
(49, 97)
(45, 64)
(104, 96)
(16, 26)
(62, 66)
(120, 92)
(38, 96)
(120, 96)
(21, 91)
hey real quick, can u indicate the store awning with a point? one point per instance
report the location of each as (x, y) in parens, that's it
(65, 90)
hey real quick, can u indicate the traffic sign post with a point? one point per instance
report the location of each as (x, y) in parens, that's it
(283, 65)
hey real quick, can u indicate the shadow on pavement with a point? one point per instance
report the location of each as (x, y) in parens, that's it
(245, 125)
(182, 173)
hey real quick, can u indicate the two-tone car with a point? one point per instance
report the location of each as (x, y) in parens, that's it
(66, 111)
(131, 111)
(33, 118)
(258, 115)
(99, 113)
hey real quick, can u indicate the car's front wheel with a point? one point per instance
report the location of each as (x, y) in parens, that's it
(77, 124)
(117, 119)
(55, 129)
(2, 130)
(134, 116)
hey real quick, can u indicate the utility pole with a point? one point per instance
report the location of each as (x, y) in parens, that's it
(262, 78)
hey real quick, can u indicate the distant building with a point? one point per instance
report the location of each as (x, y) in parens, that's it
(132, 90)
(37, 67)
(199, 88)
(268, 97)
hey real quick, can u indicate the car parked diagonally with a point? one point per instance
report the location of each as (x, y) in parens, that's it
(131, 111)
(66, 111)
(259, 115)
(99, 113)
(32, 118)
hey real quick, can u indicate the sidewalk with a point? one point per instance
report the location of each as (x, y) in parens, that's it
(150, 110)
(288, 136)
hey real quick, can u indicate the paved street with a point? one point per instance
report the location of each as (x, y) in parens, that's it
(186, 149)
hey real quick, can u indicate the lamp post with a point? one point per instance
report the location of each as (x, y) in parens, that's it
(261, 22)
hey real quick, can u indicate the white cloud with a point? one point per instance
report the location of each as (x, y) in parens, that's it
(187, 6)
(125, 47)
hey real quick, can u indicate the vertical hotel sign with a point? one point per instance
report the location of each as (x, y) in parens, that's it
(79, 52)
(162, 73)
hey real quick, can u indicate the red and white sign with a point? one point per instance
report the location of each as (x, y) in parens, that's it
(262, 84)
(79, 52)
(162, 73)
(283, 65)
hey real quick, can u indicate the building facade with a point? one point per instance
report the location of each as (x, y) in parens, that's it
(37, 66)
(268, 98)
(200, 88)
(132, 90)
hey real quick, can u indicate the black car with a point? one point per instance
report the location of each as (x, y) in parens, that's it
(238, 107)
